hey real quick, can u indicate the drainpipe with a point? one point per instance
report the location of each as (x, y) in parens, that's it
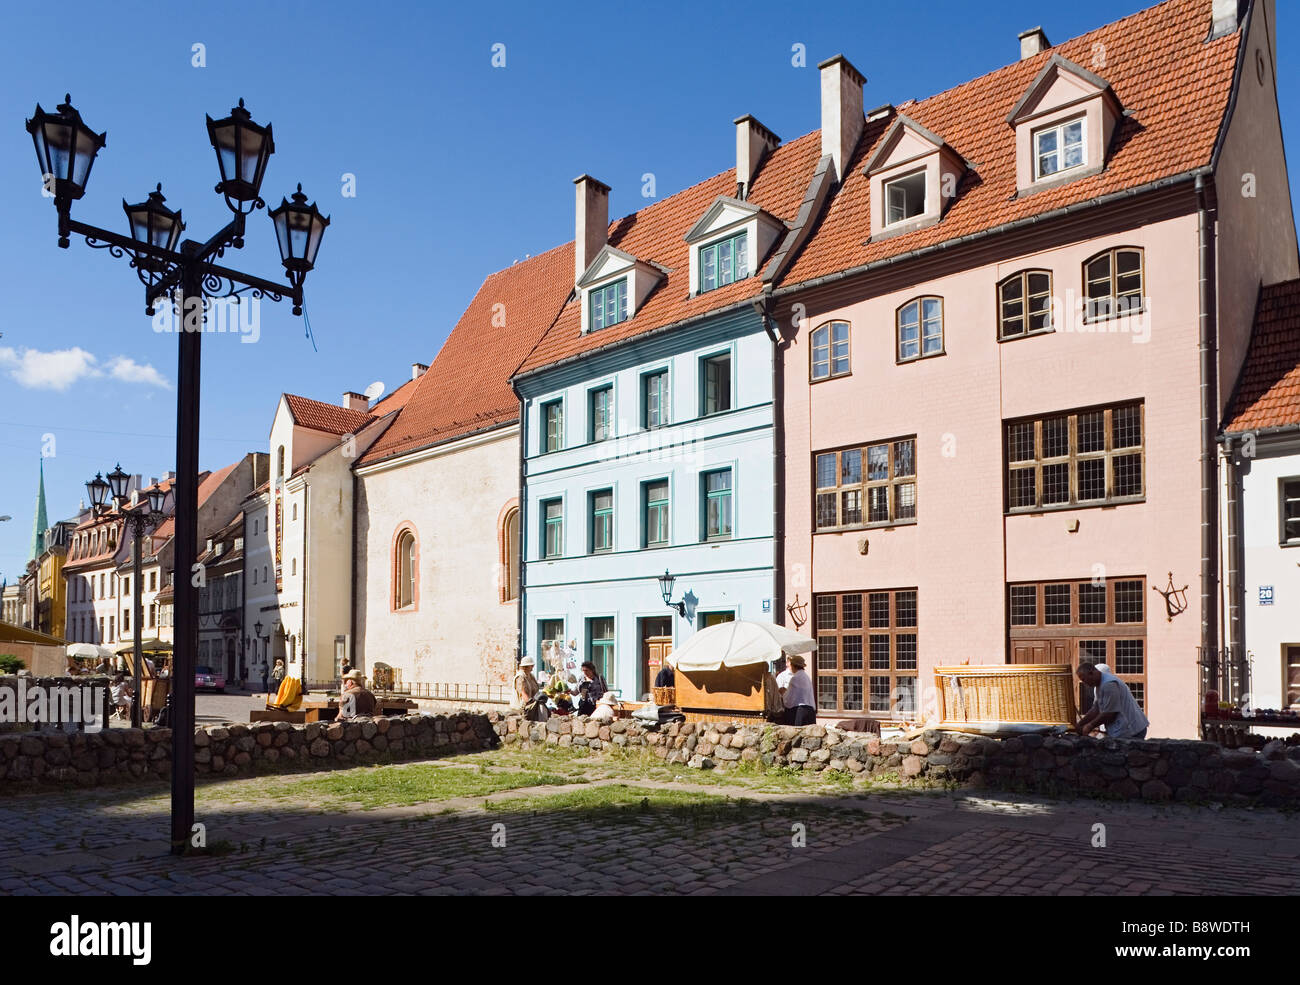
(350, 652)
(1209, 428)
(762, 307)
(1235, 633)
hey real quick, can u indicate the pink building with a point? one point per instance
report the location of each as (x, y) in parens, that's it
(998, 426)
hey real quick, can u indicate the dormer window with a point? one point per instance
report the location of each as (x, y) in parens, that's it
(904, 198)
(1063, 125)
(607, 305)
(1059, 148)
(724, 262)
(614, 287)
(729, 242)
(914, 175)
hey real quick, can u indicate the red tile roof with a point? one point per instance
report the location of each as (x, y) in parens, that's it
(1173, 83)
(1268, 389)
(395, 400)
(656, 235)
(467, 388)
(325, 417)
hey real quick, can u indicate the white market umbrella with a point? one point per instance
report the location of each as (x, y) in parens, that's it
(738, 644)
(85, 651)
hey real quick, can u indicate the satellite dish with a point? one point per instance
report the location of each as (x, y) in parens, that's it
(374, 391)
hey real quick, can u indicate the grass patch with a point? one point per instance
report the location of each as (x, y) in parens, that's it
(370, 787)
(614, 796)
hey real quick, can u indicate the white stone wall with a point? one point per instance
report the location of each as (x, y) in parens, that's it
(1269, 628)
(459, 631)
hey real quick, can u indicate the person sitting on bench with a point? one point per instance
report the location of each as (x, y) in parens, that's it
(356, 701)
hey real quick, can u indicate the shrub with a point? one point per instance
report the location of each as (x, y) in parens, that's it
(10, 664)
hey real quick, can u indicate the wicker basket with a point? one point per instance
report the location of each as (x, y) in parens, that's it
(665, 695)
(1039, 694)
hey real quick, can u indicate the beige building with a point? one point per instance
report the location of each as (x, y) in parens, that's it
(437, 541)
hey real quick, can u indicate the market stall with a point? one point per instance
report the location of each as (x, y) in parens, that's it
(154, 689)
(725, 671)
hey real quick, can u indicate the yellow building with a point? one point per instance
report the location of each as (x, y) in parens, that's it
(51, 588)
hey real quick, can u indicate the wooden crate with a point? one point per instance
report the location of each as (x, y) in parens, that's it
(1038, 694)
(665, 695)
(731, 693)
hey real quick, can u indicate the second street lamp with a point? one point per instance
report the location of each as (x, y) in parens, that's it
(178, 274)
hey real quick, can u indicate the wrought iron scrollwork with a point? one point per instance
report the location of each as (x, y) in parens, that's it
(113, 249)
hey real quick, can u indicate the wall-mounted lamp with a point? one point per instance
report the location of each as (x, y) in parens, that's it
(666, 589)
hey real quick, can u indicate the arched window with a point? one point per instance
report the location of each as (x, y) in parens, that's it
(920, 329)
(279, 462)
(1114, 283)
(405, 569)
(512, 555)
(1024, 304)
(830, 350)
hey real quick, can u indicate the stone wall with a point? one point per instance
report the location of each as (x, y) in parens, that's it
(1155, 769)
(116, 755)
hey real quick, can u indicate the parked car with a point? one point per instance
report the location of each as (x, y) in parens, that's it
(207, 679)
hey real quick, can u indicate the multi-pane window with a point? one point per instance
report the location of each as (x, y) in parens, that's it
(608, 304)
(1076, 622)
(717, 504)
(1058, 148)
(1113, 283)
(656, 513)
(602, 521)
(1025, 304)
(600, 406)
(867, 652)
(920, 329)
(904, 198)
(1289, 511)
(553, 420)
(715, 382)
(870, 484)
(654, 399)
(830, 350)
(724, 262)
(600, 649)
(1077, 458)
(552, 528)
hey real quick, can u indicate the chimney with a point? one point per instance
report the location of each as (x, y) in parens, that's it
(841, 111)
(753, 143)
(1226, 17)
(591, 222)
(356, 401)
(1032, 42)
(418, 370)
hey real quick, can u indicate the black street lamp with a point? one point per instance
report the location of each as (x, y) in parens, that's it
(138, 521)
(666, 582)
(177, 274)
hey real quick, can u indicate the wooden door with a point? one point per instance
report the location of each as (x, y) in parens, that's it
(1051, 651)
(653, 651)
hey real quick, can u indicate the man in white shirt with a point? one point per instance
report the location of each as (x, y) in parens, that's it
(797, 693)
(1114, 705)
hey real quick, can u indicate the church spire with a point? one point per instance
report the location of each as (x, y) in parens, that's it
(42, 520)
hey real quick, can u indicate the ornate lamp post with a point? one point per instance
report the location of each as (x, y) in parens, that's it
(138, 521)
(187, 276)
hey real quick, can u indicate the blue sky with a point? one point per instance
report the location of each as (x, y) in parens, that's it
(460, 169)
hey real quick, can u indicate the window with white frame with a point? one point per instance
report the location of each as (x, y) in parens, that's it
(904, 198)
(830, 350)
(1059, 148)
(1289, 510)
(920, 329)
(607, 305)
(553, 422)
(654, 399)
(724, 262)
(600, 406)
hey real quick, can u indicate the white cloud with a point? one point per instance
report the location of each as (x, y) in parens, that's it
(129, 371)
(60, 369)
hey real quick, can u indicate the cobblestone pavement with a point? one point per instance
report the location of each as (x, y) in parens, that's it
(895, 844)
